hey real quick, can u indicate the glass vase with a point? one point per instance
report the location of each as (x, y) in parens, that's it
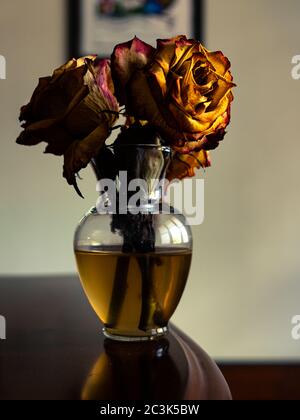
(133, 257)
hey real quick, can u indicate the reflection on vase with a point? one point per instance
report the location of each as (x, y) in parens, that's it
(138, 371)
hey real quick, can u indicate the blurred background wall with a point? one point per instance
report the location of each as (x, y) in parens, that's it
(244, 285)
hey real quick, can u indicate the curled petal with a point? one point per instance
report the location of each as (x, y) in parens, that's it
(220, 63)
(39, 130)
(101, 98)
(126, 59)
(144, 107)
(213, 140)
(27, 110)
(185, 165)
(72, 64)
(105, 84)
(202, 124)
(53, 94)
(80, 152)
(221, 90)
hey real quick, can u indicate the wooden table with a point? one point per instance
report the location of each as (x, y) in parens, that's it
(55, 351)
(263, 381)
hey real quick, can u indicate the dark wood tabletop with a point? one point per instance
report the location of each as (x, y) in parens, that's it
(263, 381)
(55, 350)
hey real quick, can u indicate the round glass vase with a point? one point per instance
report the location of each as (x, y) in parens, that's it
(133, 258)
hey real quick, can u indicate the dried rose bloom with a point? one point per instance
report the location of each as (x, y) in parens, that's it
(182, 89)
(73, 111)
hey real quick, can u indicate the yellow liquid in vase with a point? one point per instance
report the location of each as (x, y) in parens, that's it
(134, 294)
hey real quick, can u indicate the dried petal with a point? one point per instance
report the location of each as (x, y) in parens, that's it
(185, 165)
(80, 152)
(126, 59)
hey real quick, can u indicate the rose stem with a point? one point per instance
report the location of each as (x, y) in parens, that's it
(119, 291)
(150, 306)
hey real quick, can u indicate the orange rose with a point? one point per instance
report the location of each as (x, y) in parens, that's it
(181, 88)
(73, 111)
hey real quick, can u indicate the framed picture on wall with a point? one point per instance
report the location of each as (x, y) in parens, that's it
(96, 26)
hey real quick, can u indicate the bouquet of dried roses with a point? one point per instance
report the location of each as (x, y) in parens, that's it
(179, 89)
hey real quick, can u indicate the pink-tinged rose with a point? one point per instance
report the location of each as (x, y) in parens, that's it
(126, 59)
(73, 111)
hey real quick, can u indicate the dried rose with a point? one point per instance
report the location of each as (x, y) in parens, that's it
(73, 111)
(181, 88)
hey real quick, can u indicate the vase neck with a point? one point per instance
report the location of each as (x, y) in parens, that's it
(139, 171)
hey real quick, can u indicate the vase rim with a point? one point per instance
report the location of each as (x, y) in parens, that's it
(141, 145)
